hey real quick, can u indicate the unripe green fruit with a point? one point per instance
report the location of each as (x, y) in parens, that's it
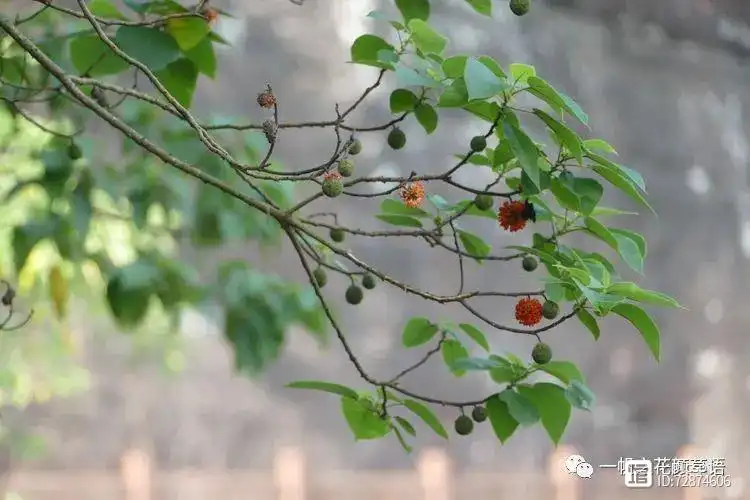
(478, 143)
(320, 276)
(550, 310)
(337, 235)
(354, 295)
(355, 148)
(346, 168)
(541, 354)
(368, 281)
(483, 201)
(463, 425)
(396, 138)
(332, 187)
(74, 151)
(520, 7)
(479, 414)
(529, 263)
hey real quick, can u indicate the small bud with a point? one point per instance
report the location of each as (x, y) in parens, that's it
(269, 130)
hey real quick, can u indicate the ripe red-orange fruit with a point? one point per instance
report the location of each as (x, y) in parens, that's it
(412, 194)
(529, 311)
(511, 216)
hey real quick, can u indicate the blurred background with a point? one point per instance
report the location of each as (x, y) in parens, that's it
(161, 417)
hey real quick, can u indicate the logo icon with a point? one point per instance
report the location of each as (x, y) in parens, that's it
(576, 464)
(639, 473)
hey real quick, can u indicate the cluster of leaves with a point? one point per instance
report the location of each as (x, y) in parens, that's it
(244, 193)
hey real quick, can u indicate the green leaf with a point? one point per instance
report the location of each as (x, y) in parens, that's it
(631, 175)
(631, 247)
(623, 183)
(503, 423)
(564, 195)
(399, 220)
(90, 55)
(409, 77)
(418, 331)
(478, 364)
(644, 324)
(521, 408)
(474, 245)
(634, 292)
(363, 421)
(453, 67)
(600, 231)
(180, 79)
(487, 111)
(607, 211)
(525, 150)
(325, 387)
(599, 145)
(589, 321)
(427, 117)
(553, 407)
(556, 99)
(589, 191)
(453, 351)
(188, 31)
(507, 370)
(365, 50)
(476, 335)
(405, 425)
(563, 370)
(414, 9)
(520, 73)
(579, 395)
(425, 38)
(403, 100)
(454, 95)
(203, 56)
(427, 416)
(401, 440)
(105, 8)
(483, 7)
(567, 137)
(481, 82)
(152, 47)
(395, 207)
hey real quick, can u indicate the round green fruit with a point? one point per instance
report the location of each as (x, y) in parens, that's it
(550, 309)
(478, 143)
(346, 168)
(355, 148)
(354, 295)
(320, 276)
(483, 201)
(529, 263)
(541, 354)
(337, 235)
(368, 281)
(396, 138)
(520, 7)
(463, 425)
(74, 151)
(479, 414)
(332, 187)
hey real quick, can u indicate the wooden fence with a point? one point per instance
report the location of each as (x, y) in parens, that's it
(432, 479)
